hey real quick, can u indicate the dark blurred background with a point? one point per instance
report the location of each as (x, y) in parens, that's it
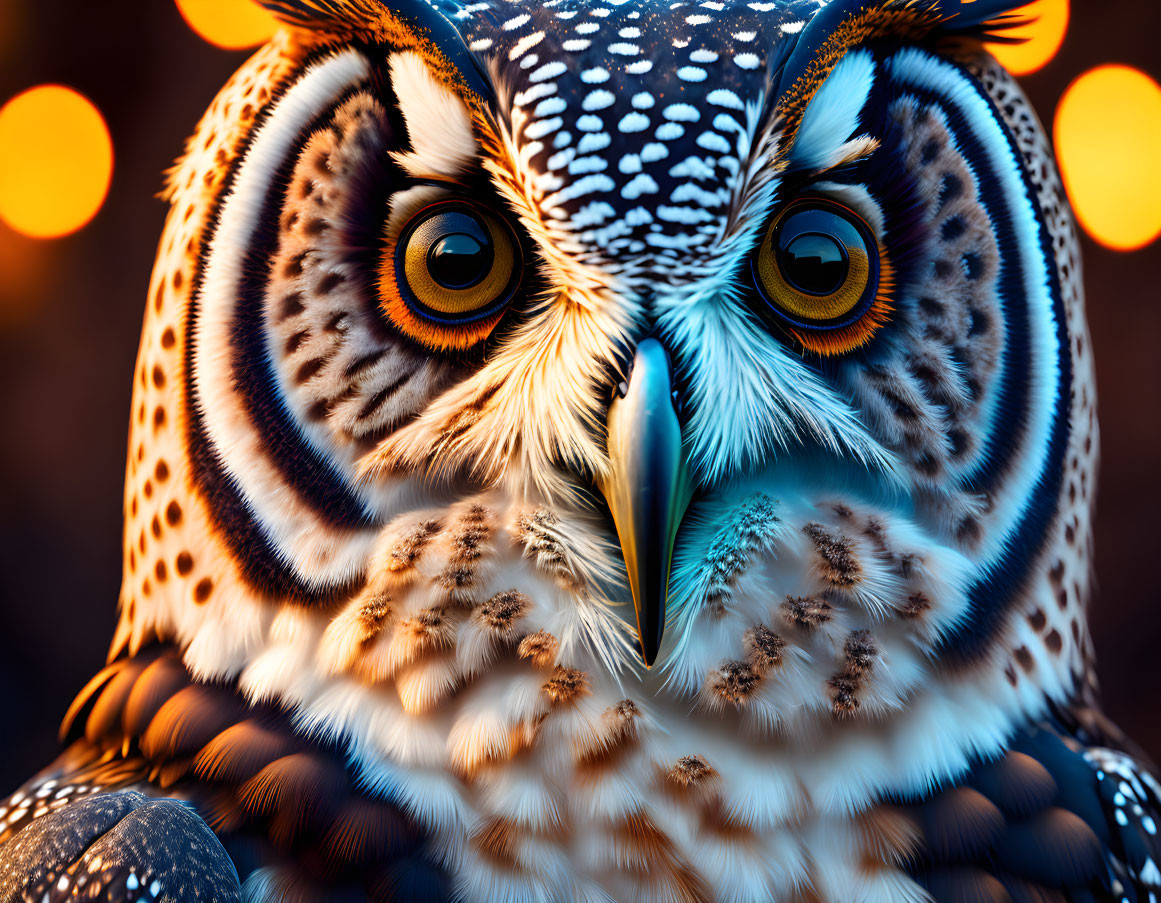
(70, 310)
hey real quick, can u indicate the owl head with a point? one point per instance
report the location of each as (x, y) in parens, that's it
(495, 352)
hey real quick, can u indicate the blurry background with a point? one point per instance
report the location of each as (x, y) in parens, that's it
(71, 306)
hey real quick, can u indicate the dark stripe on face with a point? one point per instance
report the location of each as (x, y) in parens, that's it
(256, 557)
(315, 480)
(259, 560)
(991, 597)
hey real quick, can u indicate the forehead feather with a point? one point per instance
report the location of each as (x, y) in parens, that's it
(632, 116)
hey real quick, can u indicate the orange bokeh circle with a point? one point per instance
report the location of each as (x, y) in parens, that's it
(1108, 142)
(1043, 34)
(56, 161)
(232, 24)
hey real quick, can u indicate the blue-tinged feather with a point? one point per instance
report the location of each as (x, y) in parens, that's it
(833, 114)
(952, 16)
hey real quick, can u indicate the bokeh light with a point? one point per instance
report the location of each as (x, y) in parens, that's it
(1108, 142)
(232, 24)
(56, 161)
(1042, 35)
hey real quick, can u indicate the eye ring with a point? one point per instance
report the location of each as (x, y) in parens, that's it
(822, 275)
(449, 276)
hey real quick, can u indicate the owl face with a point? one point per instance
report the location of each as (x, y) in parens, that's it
(479, 330)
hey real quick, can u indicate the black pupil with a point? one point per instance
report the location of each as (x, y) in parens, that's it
(458, 260)
(813, 262)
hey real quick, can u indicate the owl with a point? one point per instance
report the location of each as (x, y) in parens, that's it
(594, 451)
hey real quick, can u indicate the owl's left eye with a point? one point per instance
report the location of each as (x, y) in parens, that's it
(819, 271)
(450, 275)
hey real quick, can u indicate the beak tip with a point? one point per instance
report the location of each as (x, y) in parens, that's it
(650, 646)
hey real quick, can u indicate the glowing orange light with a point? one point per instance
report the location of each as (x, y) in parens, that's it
(1043, 37)
(233, 24)
(1108, 142)
(56, 161)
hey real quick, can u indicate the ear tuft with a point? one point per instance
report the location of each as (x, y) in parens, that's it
(332, 16)
(403, 24)
(845, 25)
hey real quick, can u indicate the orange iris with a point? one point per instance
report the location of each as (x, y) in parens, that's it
(446, 280)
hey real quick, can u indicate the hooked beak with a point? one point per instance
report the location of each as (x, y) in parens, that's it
(648, 486)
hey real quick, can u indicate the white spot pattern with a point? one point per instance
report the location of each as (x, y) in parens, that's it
(629, 86)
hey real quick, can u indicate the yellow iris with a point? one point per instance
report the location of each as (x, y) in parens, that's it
(439, 296)
(445, 281)
(814, 263)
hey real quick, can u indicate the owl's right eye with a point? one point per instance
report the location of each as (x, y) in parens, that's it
(449, 277)
(822, 275)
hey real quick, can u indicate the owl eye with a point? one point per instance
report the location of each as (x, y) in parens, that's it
(450, 275)
(819, 269)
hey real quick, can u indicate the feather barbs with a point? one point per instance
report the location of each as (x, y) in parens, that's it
(407, 25)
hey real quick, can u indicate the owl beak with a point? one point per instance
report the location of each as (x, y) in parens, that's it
(648, 486)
